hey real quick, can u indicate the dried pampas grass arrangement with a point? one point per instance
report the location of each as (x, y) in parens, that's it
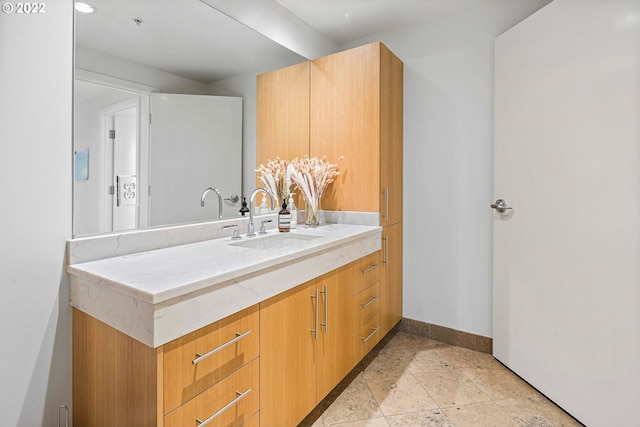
(312, 176)
(275, 178)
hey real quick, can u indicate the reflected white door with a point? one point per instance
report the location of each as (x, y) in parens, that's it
(567, 159)
(196, 143)
(125, 169)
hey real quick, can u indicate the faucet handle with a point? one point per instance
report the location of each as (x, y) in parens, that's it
(262, 229)
(236, 232)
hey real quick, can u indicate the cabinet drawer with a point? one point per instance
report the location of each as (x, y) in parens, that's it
(254, 421)
(366, 304)
(367, 336)
(367, 271)
(231, 402)
(223, 346)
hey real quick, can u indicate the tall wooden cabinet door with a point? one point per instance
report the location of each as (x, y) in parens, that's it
(391, 137)
(391, 301)
(287, 356)
(282, 113)
(345, 121)
(335, 349)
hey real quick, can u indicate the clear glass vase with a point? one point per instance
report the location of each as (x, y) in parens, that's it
(311, 215)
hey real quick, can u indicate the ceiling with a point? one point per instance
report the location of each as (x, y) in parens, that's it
(192, 39)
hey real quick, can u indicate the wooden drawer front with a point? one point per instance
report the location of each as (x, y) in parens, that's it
(231, 402)
(254, 421)
(367, 336)
(184, 379)
(366, 304)
(367, 271)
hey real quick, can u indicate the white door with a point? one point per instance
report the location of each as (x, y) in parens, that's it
(567, 159)
(124, 202)
(196, 143)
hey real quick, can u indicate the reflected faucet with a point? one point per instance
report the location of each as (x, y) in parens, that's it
(250, 231)
(204, 193)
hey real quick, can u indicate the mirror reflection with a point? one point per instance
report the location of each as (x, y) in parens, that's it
(160, 94)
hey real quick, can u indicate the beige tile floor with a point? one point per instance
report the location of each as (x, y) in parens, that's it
(412, 381)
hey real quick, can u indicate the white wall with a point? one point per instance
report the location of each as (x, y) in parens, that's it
(89, 60)
(245, 87)
(448, 151)
(89, 204)
(35, 211)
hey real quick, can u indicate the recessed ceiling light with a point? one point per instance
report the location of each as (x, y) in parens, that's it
(85, 7)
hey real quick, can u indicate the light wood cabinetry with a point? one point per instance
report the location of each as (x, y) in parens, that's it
(119, 381)
(334, 350)
(287, 349)
(230, 402)
(282, 116)
(306, 346)
(356, 113)
(366, 303)
(225, 347)
(391, 300)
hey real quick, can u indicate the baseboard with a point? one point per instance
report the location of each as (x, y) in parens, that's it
(446, 335)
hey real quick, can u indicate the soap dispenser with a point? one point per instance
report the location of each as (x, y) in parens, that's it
(294, 212)
(284, 218)
(264, 209)
(244, 209)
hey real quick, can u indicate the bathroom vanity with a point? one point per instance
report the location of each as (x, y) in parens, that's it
(220, 329)
(191, 328)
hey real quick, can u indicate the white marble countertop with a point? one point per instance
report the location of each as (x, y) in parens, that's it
(158, 295)
(159, 275)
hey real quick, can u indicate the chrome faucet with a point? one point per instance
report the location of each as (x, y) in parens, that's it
(204, 194)
(250, 230)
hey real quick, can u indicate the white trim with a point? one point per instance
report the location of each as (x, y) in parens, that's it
(114, 82)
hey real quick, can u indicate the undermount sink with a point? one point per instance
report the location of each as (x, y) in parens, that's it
(277, 241)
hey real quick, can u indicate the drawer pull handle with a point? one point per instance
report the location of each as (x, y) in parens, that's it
(326, 308)
(370, 335)
(370, 302)
(238, 337)
(315, 321)
(221, 411)
(366, 270)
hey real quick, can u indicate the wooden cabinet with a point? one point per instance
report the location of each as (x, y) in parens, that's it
(196, 361)
(355, 110)
(366, 303)
(119, 381)
(287, 348)
(230, 402)
(334, 350)
(356, 113)
(391, 300)
(306, 346)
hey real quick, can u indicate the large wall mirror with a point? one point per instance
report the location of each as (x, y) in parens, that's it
(155, 122)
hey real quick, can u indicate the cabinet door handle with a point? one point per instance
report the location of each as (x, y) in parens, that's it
(366, 270)
(238, 337)
(371, 302)
(315, 331)
(222, 411)
(326, 308)
(370, 335)
(386, 204)
(386, 250)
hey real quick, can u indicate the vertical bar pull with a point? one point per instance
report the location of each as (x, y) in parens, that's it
(65, 410)
(386, 250)
(326, 308)
(315, 331)
(386, 204)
